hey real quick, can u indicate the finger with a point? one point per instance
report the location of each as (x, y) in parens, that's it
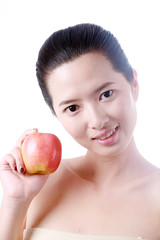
(24, 135)
(16, 153)
(8, 162)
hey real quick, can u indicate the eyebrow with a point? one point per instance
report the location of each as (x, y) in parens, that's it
(104, 85)
(66, 102)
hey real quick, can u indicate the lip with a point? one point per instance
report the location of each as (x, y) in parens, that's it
(105, 133)
(108, 137)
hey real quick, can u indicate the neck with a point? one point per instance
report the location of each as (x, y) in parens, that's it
(106, 171)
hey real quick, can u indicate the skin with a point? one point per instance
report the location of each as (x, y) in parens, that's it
(95, 113)
(112, 190)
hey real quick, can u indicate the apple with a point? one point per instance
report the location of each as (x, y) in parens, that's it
(41, 153)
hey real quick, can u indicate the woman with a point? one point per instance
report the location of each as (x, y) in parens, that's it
(111, 192)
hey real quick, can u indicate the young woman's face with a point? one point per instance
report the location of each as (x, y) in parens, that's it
(95, 104)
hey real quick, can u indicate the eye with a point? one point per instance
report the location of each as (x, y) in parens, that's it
(105, 95)
(72, 108)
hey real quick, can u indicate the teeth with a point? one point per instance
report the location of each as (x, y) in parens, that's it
(108, 135)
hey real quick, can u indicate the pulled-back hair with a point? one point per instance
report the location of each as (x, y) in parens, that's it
(67, 44)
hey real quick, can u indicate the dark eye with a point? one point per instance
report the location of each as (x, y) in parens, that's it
(72, 108)
(105, 95)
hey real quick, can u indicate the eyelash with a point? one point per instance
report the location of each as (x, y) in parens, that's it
(109, 94)
(74, 108)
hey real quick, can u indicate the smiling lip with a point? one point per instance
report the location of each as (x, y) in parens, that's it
(107, 137)
(105, 134)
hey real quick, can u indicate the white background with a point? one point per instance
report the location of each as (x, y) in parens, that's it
(24, 26)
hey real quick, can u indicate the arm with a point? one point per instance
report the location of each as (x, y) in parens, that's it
(19, 188)
(12, 219)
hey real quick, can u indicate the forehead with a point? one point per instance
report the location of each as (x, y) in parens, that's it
(81, 68)
(83, 74)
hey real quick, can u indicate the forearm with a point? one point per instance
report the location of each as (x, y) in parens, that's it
(12, 217)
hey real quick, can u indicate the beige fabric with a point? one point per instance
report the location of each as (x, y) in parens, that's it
(49, 234)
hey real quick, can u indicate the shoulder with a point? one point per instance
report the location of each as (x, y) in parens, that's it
(153, 179)
(152, 186)
(60, 178)
(57, 186)
(146, 182)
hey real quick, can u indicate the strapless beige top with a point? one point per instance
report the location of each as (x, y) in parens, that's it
(49, 234)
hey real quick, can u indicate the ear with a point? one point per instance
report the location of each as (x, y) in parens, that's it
(135, 85)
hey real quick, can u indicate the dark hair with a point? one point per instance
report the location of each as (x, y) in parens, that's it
(67, 44)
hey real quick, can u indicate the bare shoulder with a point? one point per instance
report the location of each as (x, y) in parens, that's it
(153, 179)
(54, 190)
(152, 185)
(59, 180)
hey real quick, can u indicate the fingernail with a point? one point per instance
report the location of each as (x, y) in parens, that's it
(15, 168)
(35, 129)
(21, 170)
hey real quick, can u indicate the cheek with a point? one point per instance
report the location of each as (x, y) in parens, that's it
(125, 110)
(128, 115)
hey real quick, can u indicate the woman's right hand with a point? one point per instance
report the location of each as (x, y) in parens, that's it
(16, 183)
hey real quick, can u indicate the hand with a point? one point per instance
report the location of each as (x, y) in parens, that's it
(16, 183)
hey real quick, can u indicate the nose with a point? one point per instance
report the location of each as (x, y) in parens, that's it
(96, 117)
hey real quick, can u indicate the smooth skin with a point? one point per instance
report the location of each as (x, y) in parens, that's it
(112, 189)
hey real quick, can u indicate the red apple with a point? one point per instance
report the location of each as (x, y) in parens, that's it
(41, 153)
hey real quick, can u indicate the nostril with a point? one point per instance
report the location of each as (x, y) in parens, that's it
(96, 117)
